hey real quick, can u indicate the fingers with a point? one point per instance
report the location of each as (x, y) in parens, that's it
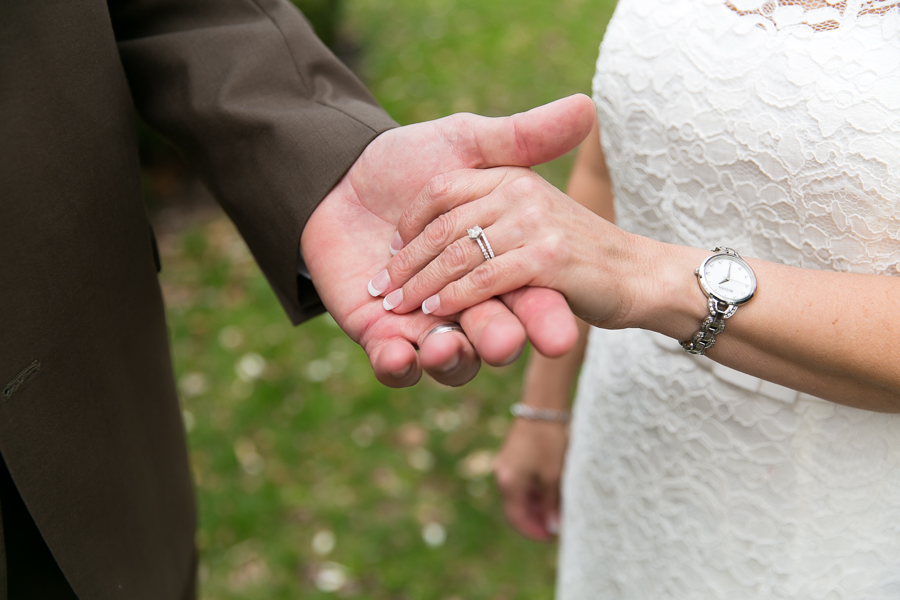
(395, 363)
(503, 274)
(443, 193)
(551, 508)
(526, 139)
(547, 318)
(495, 332)
(450, 264)
(449, 357)
(521, 503)
(453, 358)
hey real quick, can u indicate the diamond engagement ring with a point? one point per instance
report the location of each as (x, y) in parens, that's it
(477, 234)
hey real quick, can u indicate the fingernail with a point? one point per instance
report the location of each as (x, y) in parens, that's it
(552, 524)
(393, 300)
(402, 373)
(515, 356)
(396, 243)
(451, 364)
(379, 283)
(431, 304)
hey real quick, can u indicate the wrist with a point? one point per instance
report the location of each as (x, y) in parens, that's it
(668, 299)
(521, 410)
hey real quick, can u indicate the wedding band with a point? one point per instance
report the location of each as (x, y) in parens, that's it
(444, 328)
(477, 234)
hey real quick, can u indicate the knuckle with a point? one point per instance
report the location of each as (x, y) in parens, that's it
(554, 249)
(527, 186)
(482, 278)
(533, 216)
(455, 257)
(438, 232)
(504, 476)
(408, 222)
(402, 265)
(438, 187)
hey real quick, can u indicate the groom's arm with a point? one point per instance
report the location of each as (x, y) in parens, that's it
(273, 120)
(270, 117)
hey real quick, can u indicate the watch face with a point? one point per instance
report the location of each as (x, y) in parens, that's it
(728, 278)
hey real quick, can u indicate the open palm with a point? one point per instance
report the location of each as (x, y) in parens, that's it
(346, 242)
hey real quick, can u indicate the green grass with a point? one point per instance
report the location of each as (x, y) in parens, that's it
(292, 438)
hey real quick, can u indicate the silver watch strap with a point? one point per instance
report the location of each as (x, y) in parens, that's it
(712, 326)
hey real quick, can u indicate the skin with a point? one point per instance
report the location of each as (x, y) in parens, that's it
(529, 466)
(361, 212)
(805, 329)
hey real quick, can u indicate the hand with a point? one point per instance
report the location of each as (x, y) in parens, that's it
(346, 241)
(528, 470)
(540, 237)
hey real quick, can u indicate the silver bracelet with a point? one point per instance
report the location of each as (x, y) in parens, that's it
(540, 414)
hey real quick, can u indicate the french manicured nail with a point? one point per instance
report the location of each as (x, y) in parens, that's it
(379, 283)
(402, 373)
(393, 300)
(431, 304)
(451, 364)
(396, 243)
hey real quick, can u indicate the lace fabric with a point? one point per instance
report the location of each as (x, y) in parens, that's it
(731, 122)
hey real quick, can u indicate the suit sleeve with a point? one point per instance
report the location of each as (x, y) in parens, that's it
(269, 116)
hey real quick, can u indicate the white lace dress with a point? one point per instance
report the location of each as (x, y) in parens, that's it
(772, 127)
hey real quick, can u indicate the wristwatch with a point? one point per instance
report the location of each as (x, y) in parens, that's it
(728, 282)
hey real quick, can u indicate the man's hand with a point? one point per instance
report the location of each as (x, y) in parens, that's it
(347, 241)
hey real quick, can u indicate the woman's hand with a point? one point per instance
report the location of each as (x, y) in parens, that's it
(540, 237)
(528, 471)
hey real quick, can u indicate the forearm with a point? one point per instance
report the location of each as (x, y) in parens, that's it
(269, 116)
(832, 335)
(549, 381)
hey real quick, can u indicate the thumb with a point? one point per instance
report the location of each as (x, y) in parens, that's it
(526, 139)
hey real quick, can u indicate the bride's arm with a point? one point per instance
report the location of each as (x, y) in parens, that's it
(529, 466)
(832, 335)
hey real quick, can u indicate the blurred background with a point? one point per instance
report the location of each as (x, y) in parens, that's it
(314, 481)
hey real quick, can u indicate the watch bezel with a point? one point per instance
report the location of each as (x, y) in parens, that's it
(701, 276)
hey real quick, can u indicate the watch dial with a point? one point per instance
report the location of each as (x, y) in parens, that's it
(729, 279)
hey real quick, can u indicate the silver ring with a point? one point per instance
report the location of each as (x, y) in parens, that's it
(477, 234)
(444, 328)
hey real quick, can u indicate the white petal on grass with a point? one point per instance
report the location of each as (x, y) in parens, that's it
(363, 435)
(434, 535)
(193, 384)
(230, 337)
(421, 459)
(250, 367)
(251, 460)
(476, 465)
(318, 370)
(323, 542)
(331, 577)
(447, 420)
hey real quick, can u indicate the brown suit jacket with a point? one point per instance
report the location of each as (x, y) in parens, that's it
(89, 422)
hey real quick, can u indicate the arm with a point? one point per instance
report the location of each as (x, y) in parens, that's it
(832, 335)
(528, 468)
(274, 122)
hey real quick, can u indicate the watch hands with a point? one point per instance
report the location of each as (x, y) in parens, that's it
(727, 276)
